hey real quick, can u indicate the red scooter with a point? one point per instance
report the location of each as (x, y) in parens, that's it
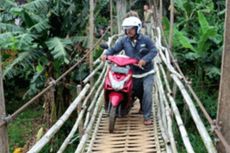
(118, 87)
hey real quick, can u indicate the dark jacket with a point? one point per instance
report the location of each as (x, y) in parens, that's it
(133, 50)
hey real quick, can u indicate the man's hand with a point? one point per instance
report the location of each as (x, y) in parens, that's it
(141, 63)
(103, 57)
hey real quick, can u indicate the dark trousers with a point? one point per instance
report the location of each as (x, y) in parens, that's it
(143, 88)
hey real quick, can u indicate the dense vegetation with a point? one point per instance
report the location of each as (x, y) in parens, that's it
(197, 46)
(40, 39)
(198, 40)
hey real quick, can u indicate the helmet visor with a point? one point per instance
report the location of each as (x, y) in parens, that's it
(127, 27)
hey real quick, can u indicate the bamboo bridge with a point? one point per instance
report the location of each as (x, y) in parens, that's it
(130, 134)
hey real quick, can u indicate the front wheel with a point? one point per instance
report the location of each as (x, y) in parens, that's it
(112, 118)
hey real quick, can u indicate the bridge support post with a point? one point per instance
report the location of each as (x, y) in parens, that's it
(91, 36)
(223, 113)
(111, 16)
(121, 10)
(4, 146)
(78, 111)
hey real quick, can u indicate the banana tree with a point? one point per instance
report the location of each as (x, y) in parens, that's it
(41, 39)
(197, 37)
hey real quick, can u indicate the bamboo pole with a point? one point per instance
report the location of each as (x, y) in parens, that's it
(4, 146)
(207, 116)
(55, 128)
(97, 61)
(95, 132)
(181, 126)
(111, 16)
(154, 109)
(121, 11)
(168, 112)
(171, 24)
(161, 10)
(165, 78)
(168, 64)
(196, 118)
(159, 117)
(89, 127)
(79, 111)
(91, 35)
(80, 116)
(223, 110)
(179, 121)
(176, 112)
(162, 108)
(92, 104)
(72, 132)
(95, 86)
(163, 132)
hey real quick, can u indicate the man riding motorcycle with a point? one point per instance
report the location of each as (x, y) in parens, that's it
(135, 45)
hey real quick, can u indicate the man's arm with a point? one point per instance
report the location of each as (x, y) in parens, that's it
(152, 50)
(116, 49)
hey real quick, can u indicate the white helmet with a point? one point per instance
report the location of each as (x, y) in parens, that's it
(132, 22)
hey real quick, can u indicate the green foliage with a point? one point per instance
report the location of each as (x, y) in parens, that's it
(22, 128)
(42, 39)
(197, 45)
(81, 73)
(44, 33)
(23, 62)
(198, 37)
(57, 47)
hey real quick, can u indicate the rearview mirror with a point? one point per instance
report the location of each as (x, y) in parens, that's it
(104, 45)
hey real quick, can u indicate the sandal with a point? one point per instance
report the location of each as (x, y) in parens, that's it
(148, 122)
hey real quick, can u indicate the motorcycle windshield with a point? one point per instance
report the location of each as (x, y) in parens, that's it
(122, 60)
(118, 69)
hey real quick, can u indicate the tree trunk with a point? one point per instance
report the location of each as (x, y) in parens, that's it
(223, 113)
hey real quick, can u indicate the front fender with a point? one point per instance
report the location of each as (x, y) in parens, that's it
(115, 98)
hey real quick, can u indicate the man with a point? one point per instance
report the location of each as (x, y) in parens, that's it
(132, 43)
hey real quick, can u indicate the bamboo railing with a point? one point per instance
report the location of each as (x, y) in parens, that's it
(90, 99)
(85, 95)
(165, 103)
(164, 58)
(166, 106)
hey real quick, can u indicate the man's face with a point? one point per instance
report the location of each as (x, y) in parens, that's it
(131, 32)
(146, 7)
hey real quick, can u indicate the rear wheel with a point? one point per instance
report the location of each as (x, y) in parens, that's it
(112, 118)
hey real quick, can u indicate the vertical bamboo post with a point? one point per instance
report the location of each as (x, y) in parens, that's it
(111, 17)
(121, 10)
(161, 10)
(223, 113)
(174, 90)
(91, 36)
(79, 110)
(171, 24)
(53, 118)
(4, 146)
